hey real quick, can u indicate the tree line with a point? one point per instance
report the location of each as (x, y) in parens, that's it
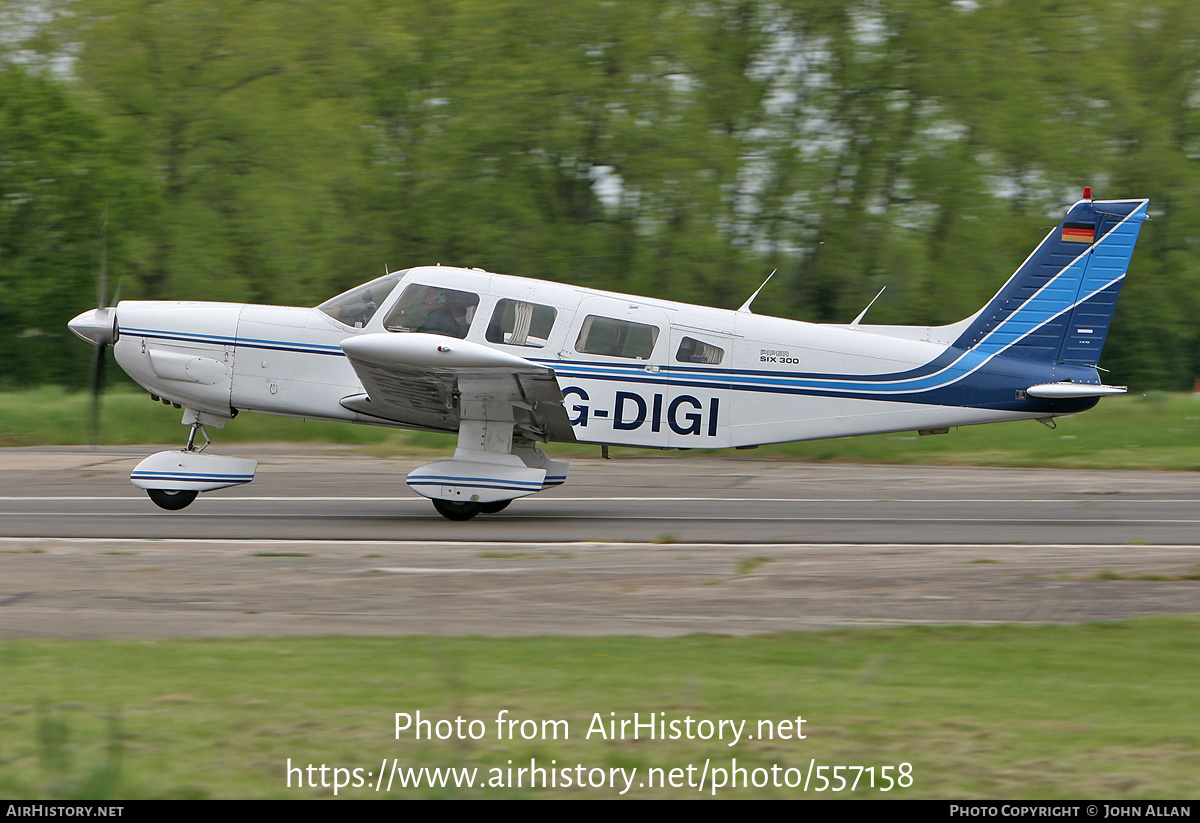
(279, 151)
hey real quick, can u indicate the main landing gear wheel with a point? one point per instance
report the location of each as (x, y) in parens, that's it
(171, 499)
(493, 508)
(452, 510)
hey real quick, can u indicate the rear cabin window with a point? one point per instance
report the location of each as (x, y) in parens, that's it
(692, 350)
(616, 338)
(433, 310)
(518, 323)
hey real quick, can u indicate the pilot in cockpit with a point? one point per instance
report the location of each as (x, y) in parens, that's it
(445, 315)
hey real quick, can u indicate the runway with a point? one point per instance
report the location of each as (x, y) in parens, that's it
(330, 543)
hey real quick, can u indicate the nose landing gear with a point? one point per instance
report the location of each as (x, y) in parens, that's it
(172, 479)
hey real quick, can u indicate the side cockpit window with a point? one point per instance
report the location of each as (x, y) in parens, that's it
(357, 306)
(518, 323)
(433, 310)
(692, 350)
(616, 338)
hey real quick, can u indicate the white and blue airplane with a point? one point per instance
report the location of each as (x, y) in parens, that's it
(509, 363)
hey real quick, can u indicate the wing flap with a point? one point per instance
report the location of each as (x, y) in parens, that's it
(434, 382)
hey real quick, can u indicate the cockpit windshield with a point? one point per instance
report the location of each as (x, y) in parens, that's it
(357, 306)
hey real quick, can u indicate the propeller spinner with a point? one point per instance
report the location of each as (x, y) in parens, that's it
(96, 326)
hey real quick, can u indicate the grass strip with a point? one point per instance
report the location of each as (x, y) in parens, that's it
(1155, 431)
(1095, 711)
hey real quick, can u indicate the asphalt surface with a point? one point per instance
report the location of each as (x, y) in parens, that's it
(324, 542)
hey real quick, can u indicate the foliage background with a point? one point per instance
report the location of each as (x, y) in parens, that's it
(280, 152)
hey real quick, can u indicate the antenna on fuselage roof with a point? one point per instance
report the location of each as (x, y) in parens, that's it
(746, 306)
(863, 313)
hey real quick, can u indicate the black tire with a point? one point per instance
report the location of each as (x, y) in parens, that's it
(171, 499)
(493, 508)
(456, 511)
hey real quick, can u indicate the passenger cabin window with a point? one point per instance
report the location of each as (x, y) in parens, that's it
(433, 310)
(692, 350)
(521, 324)
(616, 338)
(357, 306)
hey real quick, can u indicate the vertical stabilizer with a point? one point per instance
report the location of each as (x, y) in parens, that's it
(1059, 304)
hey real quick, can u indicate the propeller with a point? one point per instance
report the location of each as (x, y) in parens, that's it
(98, 326)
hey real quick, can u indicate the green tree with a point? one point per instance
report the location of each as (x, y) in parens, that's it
(280, 151)
(240, 119)
(55, 181)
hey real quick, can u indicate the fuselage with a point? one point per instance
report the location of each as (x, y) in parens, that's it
(632, 370)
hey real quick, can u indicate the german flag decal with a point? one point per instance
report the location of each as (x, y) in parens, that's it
(1078, 232)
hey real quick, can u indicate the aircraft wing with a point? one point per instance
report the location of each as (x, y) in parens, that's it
(428, 381)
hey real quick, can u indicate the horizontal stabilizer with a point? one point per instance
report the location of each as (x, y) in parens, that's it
(1057, 390)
